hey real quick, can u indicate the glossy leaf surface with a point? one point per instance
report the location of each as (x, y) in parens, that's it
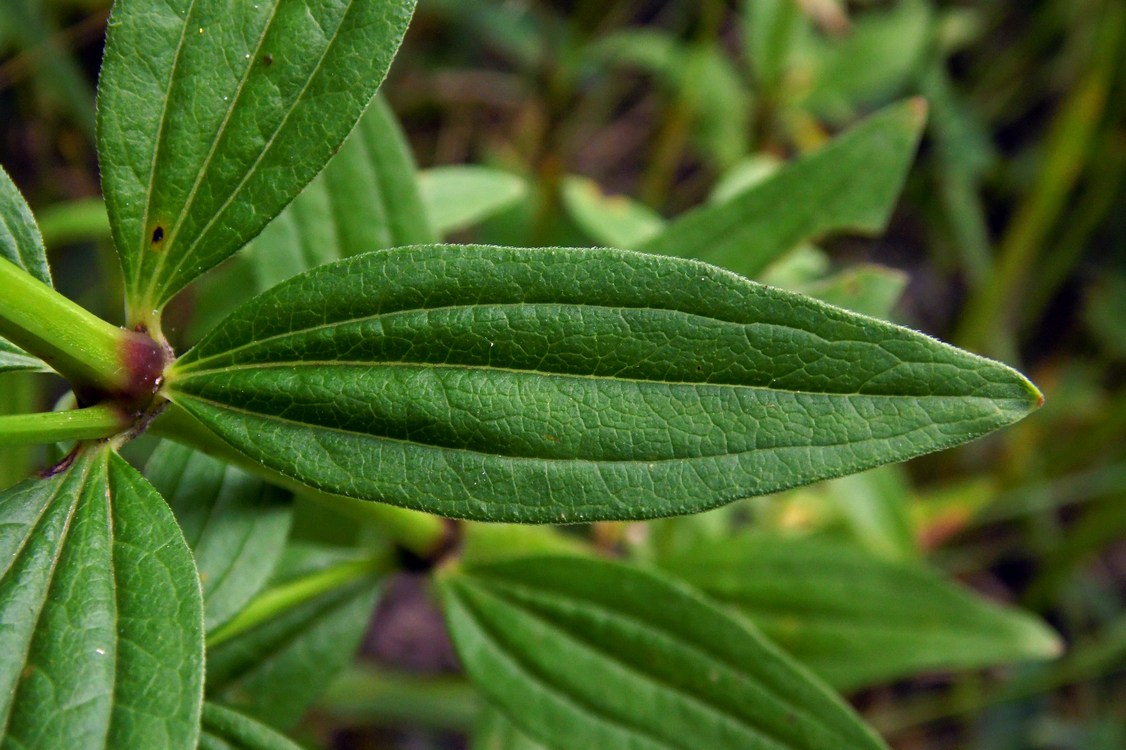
(235, 524)
(224, 729)
(586, 653)
(272, 672)
(850, 184)
(236, 109)
(546, 385)
(102, 644)
(457, 197)
(855, 619)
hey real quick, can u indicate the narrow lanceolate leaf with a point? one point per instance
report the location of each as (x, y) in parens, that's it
(855, 619)
(585, 653)
(102, 644)
(20, 243)
(850, 184)
(274, 671)
(224, 729)
(367, 198)
(236, 109)
(13, 359)
(547, 385)
(235, 524)
(458, 197)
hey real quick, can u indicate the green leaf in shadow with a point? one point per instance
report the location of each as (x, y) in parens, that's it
(102, 645)
(224, 729)
(855, 619)
(850, 184)
(578, 652)
(235, 524)
(237, 107)
(565, 385)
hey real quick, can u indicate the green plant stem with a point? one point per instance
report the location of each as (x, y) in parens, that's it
(272, 602)
(74, 221)
(92, 423)
(77, 344)
(421, 533)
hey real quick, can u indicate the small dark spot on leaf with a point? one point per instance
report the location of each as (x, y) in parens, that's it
(157, 235)
(267, 60)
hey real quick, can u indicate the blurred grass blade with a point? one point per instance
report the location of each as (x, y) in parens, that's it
(224, 729)
(547, 384)
(92, 557)
(579, 652)
(857, 620)
(457, 197)
(850, 184)
(769, 30)
(238, 107)
(235, 524)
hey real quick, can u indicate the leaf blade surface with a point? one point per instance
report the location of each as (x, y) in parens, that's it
(239, 106)
(105, 640)
(584, 653)
(547, 385)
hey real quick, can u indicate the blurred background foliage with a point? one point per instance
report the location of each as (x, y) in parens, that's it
(592, 122)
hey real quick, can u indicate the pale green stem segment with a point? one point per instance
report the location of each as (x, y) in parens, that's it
(77, 344)
(93, 423)
(274, 601)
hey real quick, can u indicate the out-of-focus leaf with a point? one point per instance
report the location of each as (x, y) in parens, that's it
(857, 620)
(235, 524)
(457, 197)
(610, 220)
(878, 57)
(850, 184)
(549, 384)
(744, 175)
(273, 671)
(867, 289)
(74, 221)
(102, 644)
(578, 652)
(876, 506)
(224, 729)
(237, 107)
(367, 198)
(769, 30)
(14, 359)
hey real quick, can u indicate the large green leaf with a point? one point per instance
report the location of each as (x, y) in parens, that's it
(236, 108)
(21, 244)
(850, 184)
(546, 385)
(855, 619)
(224, 729)
(274, 670)
(579, 652)
(102, 644)
(235, 524)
